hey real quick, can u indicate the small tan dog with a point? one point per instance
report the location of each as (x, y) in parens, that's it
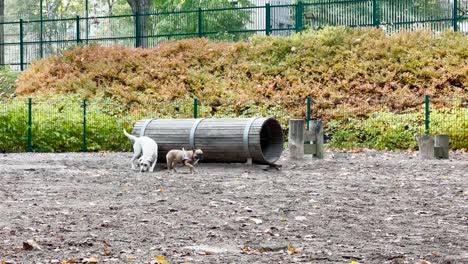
(187, 158)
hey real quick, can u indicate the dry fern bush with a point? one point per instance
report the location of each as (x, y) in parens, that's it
(359, 68)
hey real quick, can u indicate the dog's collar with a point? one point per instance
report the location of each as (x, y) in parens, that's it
(189, 159)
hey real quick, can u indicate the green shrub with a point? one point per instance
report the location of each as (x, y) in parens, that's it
(7, 82)
(453, 122)
(384, 130)
(58, 124)
(13, 128)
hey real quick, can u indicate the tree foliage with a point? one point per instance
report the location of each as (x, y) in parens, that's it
(213, 23)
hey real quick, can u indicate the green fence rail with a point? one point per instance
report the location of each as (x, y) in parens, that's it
(73, 125)
(24, 41)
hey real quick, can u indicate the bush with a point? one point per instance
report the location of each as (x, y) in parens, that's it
(384, 130)
(337, 66)
(7, 82)
(13, 131)
(57, 123)
(343, 69)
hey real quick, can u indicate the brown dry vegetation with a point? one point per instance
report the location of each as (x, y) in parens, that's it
(350, 67)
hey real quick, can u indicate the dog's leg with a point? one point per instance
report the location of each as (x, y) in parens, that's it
(136, 154)
(168, 164)
(192, 169)
(135, 157)
(174, 164)
(154, 164)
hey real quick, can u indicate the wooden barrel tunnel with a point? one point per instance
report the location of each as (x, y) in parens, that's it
(220, 139)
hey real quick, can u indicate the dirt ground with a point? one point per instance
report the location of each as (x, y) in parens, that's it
(370, 207)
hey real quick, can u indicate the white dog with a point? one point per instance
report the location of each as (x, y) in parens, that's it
(145, 150)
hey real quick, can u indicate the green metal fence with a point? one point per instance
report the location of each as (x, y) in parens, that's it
(27, 40)
(381, 125)
(61, 124)
(74, 125)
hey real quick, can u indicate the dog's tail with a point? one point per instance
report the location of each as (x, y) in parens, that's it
(131, 137)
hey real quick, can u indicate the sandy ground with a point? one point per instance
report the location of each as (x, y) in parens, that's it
(372, 207)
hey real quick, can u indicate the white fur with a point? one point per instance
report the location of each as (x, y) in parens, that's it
(145, 150)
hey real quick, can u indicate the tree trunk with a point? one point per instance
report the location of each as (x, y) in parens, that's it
(141, 7)
(2, 35)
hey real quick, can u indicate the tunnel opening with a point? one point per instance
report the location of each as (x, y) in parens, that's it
(271, 140)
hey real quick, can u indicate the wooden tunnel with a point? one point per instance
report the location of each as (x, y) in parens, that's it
(221, 140)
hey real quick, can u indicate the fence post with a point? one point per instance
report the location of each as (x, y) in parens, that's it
(308, 111)
(41, 44)
(195, 108)
(137, 30)
(426, 119)
(455, 15)
(78, 38)
(84, 148)
(87, 20)
(29, 144)
(375, 13)
(267, 19)
(299, 16)
(200, 26)
(21, 46)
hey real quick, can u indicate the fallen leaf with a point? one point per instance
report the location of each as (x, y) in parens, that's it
(161, 259)
(107, 252)
(291, 249)
(30, 244)
(91, 260)
(131, 257)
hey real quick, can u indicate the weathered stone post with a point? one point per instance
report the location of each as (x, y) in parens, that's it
(296, 138)
(426, 146)
(317, 126)
(441, 146)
